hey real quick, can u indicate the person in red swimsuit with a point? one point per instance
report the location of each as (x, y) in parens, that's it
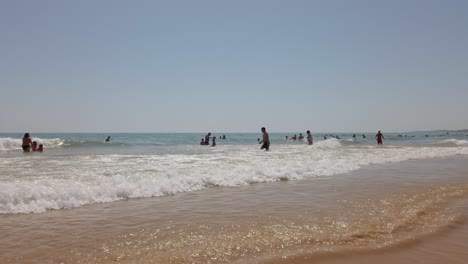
(40, 148)
(379, 138)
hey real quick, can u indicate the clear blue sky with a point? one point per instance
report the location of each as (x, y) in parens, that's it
(233, 66)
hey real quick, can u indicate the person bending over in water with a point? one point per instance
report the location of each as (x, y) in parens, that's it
(108, 139)
(310, 140)
(26, 143)
(265, 141)
(379, 138)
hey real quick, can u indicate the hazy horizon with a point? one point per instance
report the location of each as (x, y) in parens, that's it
(245, 132)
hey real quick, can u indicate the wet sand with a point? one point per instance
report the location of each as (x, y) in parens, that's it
(446, 246)
(412, 211)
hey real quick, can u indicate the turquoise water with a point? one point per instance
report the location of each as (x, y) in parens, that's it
(80, 169)
(161, 143)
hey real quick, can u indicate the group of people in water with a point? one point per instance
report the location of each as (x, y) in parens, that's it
(206, 141)
(28, 145)
(266, 138)
(310, 139)
(295, 137)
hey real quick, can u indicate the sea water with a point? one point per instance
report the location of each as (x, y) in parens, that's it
(80, 169)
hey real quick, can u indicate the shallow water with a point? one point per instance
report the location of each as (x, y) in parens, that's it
(375, 207)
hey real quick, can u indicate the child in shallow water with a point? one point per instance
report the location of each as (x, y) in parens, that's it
(34, 146)
(40, 148)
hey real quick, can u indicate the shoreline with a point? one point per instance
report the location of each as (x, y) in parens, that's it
(444, 246)
(219, 213)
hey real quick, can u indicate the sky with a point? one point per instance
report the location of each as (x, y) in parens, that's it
(233, 66)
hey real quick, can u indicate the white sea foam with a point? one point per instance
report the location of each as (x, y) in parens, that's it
(15, 143)
(35, 184)
(10, 143)
(457, 142)
(331, 143)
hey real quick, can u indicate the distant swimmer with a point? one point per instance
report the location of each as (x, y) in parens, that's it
(325, 137)
(294, 138)
(310, 139)
(202, 142)
(379, 138)
(286, 138)
(224, 136)
(354, 136)
(363, 136)
(108, 139)
(265, 141)
(301, 137)
(27, 142)
(214, 142)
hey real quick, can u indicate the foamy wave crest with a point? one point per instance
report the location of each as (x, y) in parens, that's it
(15, 143)
(65, 182)
(331, 143)
(10, 143)
(454, 142)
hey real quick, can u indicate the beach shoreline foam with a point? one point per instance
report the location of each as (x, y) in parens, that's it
(385, 207)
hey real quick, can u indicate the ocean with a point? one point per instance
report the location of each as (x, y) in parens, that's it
(80, 169)
(228, 203)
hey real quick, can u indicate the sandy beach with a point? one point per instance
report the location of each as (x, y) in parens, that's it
(241, 132)
(407, 212)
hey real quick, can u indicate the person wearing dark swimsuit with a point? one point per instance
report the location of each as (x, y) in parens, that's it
(265, 141)
(26, 146)
(207, 139)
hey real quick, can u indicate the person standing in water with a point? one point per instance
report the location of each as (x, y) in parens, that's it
(379, 138)
(108, 139)
(27, 142)
(265, 141)
(310, 139)
(214, 142)
(207, 138)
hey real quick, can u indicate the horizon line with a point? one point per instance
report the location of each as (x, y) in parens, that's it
(237, 132)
